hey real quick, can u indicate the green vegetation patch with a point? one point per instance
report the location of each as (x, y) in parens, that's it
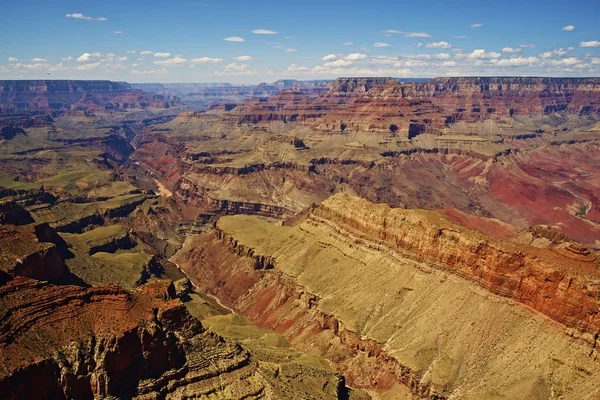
(126, 269)
(101, 238)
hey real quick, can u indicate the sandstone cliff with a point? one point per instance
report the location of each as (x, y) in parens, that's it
(384, 105)
(406, 296)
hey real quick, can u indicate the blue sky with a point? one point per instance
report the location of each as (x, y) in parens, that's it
(262, 41)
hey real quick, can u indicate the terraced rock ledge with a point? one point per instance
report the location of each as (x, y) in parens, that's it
(395, 296)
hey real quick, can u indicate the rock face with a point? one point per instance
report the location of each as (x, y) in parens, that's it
(484, 146)
(561, 284)
(56, 95)
(61, 339)
(477, 98)
(29, 249)
(385, 105)
(107, 342)
(406, 296)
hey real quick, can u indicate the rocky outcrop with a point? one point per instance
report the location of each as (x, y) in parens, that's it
(406, 296)
(107, 342)
(480, 98)
(14, 214)
(56, 95)
(189, 193)
(30, 249)
(558, 285)
(384, 105)
(260, 261)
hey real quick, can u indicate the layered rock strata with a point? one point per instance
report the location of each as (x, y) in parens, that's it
(405, 296)
(56, 95)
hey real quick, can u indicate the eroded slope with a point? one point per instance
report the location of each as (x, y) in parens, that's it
(407, 296)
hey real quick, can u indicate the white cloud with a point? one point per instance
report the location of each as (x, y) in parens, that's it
(79, 16)
(146, 53)
(443, 56)
(411, 63)
(481, 54)
(12, 59)
(67, 58)
(162, 71)
(347, 43)
(515, 62)
(91, 57)
(233, 67)
(264, 32)
(337, 63)
(290, 50)
(407, 34)
(297, 68)
(329, 57)
(171, 62)
(39, 66)
(30, 66)
(206, 60)
(449, 64)
(528, 46)
(381, 44)
(565, 62)
(354, 57)
(102, 19)
(38, 60)
(592, 43)
(130, 51)
(476, 25)
(417, 34)
(121, 58)
(460, 37)
(439, 45)
(553, 53)
(511, 50)
(135, 65)
(242, 58)
(568, 28)
(237, 69)
(333, 72)
(87, 67)
(235, 39)
(117, 32)
(596, 61)
(115, 66)
(162, 55)
(384, 60)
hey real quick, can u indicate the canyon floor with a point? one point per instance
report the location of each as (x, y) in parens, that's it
(351, 239)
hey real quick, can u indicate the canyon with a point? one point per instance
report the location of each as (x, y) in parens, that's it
(289, 151)
(406, 296)
(356, 238)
